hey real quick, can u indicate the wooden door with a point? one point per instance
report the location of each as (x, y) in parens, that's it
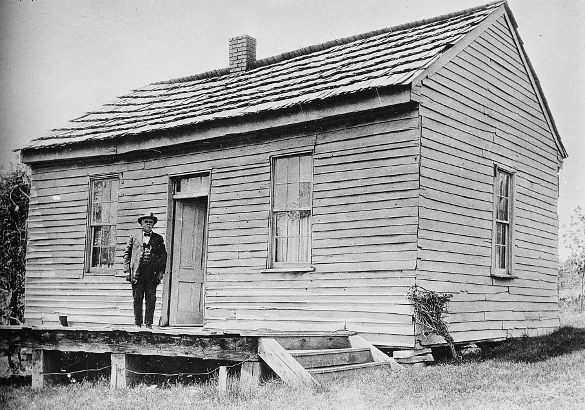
(188, 265)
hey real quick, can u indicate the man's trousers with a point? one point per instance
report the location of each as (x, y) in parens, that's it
(144, 289)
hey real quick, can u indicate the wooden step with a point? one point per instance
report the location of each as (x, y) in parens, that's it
(313, 342)
(311, 359)
(326, 373)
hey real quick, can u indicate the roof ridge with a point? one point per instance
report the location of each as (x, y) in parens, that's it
(331, 43)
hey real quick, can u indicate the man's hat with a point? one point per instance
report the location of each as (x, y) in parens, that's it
(151, 216)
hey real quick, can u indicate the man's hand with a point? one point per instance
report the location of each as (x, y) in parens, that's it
(159, 278)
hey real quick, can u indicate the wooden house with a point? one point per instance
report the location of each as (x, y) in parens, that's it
(309, 191)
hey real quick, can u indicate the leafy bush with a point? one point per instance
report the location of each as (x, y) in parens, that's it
(429, 311)
(14, 200)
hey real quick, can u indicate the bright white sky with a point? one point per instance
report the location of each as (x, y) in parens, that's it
(59, 59)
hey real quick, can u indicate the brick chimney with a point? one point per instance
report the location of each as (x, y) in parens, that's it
(242, 53)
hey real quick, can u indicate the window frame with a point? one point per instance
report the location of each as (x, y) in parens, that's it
(89, 269)
(496, 271)
(272, 265)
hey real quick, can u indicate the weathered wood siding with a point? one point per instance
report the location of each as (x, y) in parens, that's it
(479, 110)
(365, 211)
(57, 226)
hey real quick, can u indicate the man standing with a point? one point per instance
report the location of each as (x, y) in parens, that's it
(145, 259)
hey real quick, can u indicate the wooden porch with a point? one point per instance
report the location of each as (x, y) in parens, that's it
(296, 357)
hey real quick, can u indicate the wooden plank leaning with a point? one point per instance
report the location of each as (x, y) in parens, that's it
(377, 354)
(283, 364)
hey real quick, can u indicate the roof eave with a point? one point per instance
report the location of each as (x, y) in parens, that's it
(357, 103)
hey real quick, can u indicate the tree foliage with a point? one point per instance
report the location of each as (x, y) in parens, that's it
(574, 239)
(14, 200)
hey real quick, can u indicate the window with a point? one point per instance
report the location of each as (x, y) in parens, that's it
(503, 213)
(191, 186)
(292, 178)
(103, 204)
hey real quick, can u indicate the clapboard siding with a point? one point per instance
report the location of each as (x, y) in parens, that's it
(94, 300)
(478, 110)
(364, 245)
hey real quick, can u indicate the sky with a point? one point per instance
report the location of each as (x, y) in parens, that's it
(60, 59)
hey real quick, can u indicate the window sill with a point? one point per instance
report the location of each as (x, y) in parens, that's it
(300, 269)
(502, 276)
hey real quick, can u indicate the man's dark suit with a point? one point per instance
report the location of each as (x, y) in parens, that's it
(145, 273)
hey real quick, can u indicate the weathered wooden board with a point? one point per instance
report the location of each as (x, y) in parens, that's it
(283, 364)
(236, 348)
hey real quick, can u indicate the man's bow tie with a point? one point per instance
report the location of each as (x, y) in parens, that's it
(146, 233)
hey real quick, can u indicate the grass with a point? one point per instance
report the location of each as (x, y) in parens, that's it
(545, 372)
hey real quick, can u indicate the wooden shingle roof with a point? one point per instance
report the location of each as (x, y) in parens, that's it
(383, 58)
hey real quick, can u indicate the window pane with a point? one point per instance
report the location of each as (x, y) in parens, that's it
(293, 169)
(114, 190)
(106, 235)
(293, 224)
(305, 236)
(305, 195)
(280, 254)
(293, 249)
(280, 197)
(501, 257)
(280, 170)
(113, 206)
(107, 193)
(502, 213)
(104, 258)
(281, 222)
(292, 197)
(504, 184)
(113, 234)
(105, 214)
(304, 223)
(306, 168)
(194, 184)
(111, 256)
(97, 236)
(95, 257)
(98, 191)
(304, 249)
(97, 213)
(502, 234)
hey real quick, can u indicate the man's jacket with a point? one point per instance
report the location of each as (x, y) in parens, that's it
(133, 255)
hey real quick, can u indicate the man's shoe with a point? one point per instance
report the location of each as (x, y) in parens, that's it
(149, 326)
(139, 326)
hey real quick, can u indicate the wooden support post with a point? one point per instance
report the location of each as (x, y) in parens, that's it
(222, 381)
(250, 375)
(118, 379)
(43, 361)
(120, 375)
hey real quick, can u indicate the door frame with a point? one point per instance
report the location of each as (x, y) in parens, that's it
(170, 228)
